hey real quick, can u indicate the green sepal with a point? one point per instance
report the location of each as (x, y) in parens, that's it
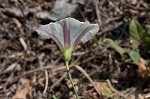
(67, 52)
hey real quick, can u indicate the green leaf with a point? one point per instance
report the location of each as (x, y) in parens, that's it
(54, 97)
(147, 39)
(136, 32)
(148, 31)
(146, 36)
(135, 56)
(95, 40)
(119, 49)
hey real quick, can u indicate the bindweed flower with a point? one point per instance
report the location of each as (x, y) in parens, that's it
(68, 33)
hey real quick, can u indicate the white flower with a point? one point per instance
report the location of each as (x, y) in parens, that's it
(68, 33)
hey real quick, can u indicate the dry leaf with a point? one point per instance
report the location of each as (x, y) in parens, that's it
(61, 10)
(10, 68)
(104, 88)
(75, 81)
(142, 67)
(24, 90)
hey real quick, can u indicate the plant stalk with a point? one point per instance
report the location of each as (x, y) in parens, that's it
(70, 78)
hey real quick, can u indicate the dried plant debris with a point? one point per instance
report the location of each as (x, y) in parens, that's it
(24, 56)
(24, 90)
(61, 10)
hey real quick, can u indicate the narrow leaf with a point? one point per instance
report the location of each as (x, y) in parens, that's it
(136, 32)
(119, 49)
(135, 56)
(147, 36)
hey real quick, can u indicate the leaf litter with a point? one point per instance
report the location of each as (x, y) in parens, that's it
(24, 56)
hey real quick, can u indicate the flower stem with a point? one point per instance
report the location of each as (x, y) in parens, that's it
(70, 78)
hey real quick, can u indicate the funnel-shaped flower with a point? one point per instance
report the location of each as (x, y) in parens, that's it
(67, 33)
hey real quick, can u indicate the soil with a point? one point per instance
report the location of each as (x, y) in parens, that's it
(33, 68)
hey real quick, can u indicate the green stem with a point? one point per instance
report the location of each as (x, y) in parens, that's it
(70, 78)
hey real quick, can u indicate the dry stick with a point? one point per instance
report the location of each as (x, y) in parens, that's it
(46, 81)
(113, 89)
(134, 7)
(88, 77)
(35, 70)
(95, 3)
(7, 82)
(58, 81)
(55, 70)
(110, 28)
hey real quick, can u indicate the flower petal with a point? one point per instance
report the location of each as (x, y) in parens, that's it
(73, 26)
(66, 32)
(94, 30)
(86, 32)
(54, 31)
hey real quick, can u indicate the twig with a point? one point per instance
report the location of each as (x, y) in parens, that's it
(58, 81)
(46, 81)
(88, 77)
(113, 89)
(112, 19)
(7, 82)
(135, 8)
(36, 70)
(95, 3)
(55, 70)
(110, 28)
(22, 41)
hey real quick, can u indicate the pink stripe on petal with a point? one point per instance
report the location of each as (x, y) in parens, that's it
(81, 35)
(66, 32)
(52, 36)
